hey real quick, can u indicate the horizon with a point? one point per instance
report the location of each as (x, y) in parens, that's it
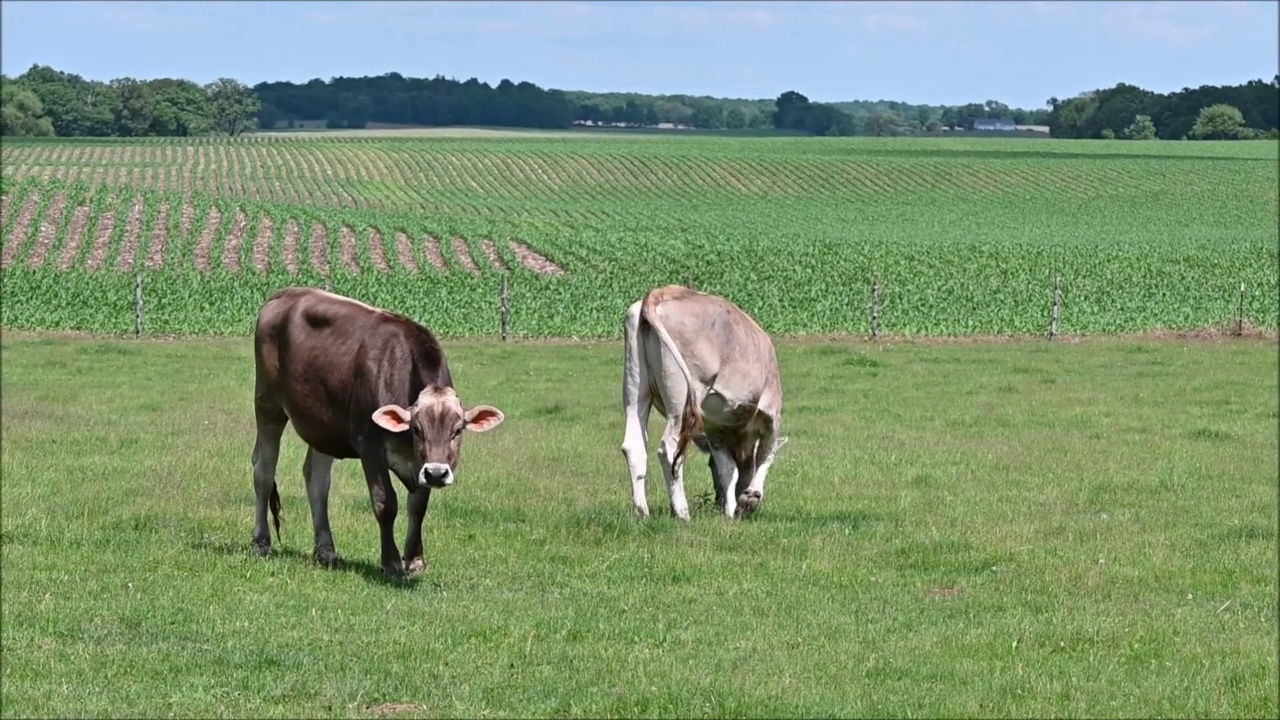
(1162, 47)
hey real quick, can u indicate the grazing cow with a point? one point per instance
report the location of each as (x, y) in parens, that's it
(712, 371)
(356, 382)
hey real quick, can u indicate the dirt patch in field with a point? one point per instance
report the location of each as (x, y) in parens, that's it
(491, 251)
(391, 708)
(235, 238)
(205, 241)
(463, 254)
(132, 236)
(5, 202)
(431, 247)
(262, 244)
(347, 250)
(75, 236)
(159, 239)
(937, 593)
(533, 260)
(48, 230)
(102, 238)
(289, 246)
(404, 251)
(377, 254)
(188, 217)
(319, 248)
(21, 226)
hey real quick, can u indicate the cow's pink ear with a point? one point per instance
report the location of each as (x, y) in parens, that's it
(483, 417)
(392, 417)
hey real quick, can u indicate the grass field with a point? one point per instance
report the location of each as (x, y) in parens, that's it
(954, 529)
(966, 236)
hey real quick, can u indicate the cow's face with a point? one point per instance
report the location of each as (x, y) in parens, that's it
(434, 424)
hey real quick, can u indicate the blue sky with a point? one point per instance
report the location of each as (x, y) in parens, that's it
(1019, 53)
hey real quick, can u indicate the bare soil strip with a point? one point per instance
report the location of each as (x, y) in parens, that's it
(262, 244)
(201, 253)
(102, 238)
(463, 254)
(376, 253)
(289, 246)
(75, 236)
(404, 251)
(188, 216)
(159, 239)
(231, 250)
(347, 250)
(431, 247)
(132, 235)
(21, 225)
(533, 260)
(319, 246)
(491, 252)
(48, 230)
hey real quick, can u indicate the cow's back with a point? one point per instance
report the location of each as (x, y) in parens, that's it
(720, 340)
(308, 345)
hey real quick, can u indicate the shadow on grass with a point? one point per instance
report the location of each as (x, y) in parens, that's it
(370, 572)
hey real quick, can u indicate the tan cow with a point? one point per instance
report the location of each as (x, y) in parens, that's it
(712, 371)
(356, 382)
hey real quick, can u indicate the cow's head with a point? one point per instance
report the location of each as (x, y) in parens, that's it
(434, 423)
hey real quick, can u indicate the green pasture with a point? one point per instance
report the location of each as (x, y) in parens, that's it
(965, 236)
(1026, 529)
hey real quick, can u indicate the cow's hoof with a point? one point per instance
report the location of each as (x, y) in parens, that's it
(262, 548)
(748, 502)
(417, 566)
(326, 557)
(394, 570)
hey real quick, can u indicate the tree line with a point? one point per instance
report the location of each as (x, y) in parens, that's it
(45, 101)
(1211, 112)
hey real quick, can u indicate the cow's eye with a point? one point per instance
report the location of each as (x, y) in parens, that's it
(417, 431)
(457, 431)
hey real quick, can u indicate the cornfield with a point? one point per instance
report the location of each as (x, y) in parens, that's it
(965, 236)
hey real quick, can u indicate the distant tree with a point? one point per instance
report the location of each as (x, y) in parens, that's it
(135, 109)
(21, 112)
(181, 108)
(233, 106)
(882, 124)
(933, 126)
(1219, 122)
(1108, 134)
(1141, 129)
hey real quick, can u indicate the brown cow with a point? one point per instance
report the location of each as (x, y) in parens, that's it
(712, 371)
(356, 382)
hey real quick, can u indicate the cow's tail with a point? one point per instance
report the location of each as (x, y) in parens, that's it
(275, 508)
(691, 421)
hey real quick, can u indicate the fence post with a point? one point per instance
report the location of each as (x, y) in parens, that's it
(875, 306)
(137, 306)
(1240, 313)
(504, 315)
(1053, 317)
(326, 283)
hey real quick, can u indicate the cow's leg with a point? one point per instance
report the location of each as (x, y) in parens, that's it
(636, 406)
(385, 507)
(674, 472)
(270, 420)
(317, 472)
(762, 459)
(724, 472)
(413, 560)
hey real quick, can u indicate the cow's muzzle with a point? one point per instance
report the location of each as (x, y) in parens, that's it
(435, 475)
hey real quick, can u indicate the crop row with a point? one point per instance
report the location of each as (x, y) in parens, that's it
(965, 237)
(598, 180)
(96, 228)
